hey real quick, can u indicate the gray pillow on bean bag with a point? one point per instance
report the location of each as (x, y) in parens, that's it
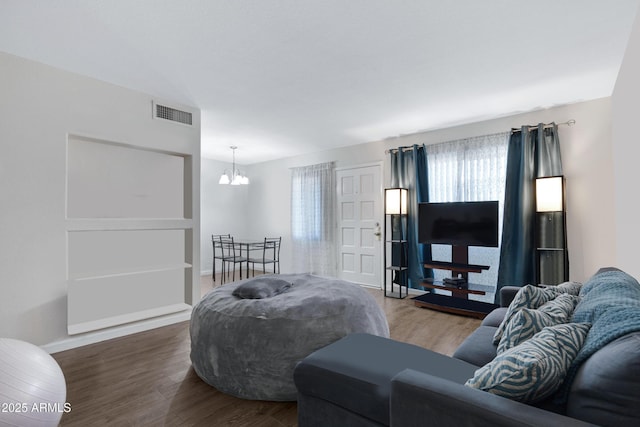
(259, 288)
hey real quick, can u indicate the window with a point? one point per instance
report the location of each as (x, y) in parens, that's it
(313, 219)
(472, 169)
(307, 204)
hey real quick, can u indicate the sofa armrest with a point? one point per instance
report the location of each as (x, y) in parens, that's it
(507, 293)
(417, 397)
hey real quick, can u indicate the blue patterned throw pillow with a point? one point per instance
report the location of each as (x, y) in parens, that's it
(528, 297)
(527, 321)
(535, 369)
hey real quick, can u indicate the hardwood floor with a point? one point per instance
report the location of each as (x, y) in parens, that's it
(146, 379)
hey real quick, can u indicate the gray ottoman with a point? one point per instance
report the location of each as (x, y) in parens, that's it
(249, 347)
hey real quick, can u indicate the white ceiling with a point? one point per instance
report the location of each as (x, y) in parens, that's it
(279, 78)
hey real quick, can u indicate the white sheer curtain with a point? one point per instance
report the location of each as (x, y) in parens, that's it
(313, 219)
(467, 170)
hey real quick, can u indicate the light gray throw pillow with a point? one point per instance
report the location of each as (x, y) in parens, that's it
(261, 287)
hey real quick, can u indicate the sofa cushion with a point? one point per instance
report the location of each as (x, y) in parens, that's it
(614, 370)
(527, 322)
(610, 301)
(528, 297)
(478, 348)
(533, 370)
(355, 372)
(495, 317)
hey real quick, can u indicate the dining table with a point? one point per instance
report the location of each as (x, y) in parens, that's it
(245, 245)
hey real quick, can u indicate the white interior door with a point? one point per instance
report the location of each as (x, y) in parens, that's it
(359, 207)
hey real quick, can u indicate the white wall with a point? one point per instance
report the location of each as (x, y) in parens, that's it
(587, 160)
(40, 107)
(626, 155)
(270, 191)
(224, 209)
(587, 166)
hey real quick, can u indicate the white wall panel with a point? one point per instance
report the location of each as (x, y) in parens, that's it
(347, 210)
(367, 210)
(348, 237)
(367, 238)
(367, 264)
(348, 263)
(102, 302)
(626, 151)
(107, 180)
(98, 253)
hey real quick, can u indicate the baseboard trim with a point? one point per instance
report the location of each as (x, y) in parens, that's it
(115, 332)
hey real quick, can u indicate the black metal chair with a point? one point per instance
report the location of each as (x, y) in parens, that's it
(232, 254)
(270, 255)
(217, 251)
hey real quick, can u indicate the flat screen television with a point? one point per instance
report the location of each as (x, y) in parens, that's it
(459, 223)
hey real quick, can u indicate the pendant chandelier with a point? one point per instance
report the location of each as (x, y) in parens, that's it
(235, 178)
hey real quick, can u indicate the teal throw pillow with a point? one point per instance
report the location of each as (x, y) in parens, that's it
(528, 296)
(527, 321)
(535, 369)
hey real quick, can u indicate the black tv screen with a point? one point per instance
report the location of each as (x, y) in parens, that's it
(459, 223)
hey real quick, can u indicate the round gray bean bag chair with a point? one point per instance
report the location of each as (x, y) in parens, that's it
(248, 345)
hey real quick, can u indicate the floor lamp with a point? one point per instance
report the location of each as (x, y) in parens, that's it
(395, 237)
(551, 232)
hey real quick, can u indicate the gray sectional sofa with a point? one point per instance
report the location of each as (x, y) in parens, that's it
(366, 380)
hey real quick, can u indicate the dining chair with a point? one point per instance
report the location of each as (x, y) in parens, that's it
(217, 251)
(232, 254)
(270, 255)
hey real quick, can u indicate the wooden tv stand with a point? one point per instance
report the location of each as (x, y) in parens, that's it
(458, 302)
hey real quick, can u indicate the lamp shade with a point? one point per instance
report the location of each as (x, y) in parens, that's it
(224, 179)
(395, 201)
(550, 194)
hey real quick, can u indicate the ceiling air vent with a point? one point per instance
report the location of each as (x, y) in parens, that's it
(169, 113)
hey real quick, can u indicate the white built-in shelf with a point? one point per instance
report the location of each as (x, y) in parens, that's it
(78, 328)
(141, 270)
(131, 236)
(116, 224)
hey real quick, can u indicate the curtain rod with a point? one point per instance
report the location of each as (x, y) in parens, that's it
(410, 147)
(569, 122)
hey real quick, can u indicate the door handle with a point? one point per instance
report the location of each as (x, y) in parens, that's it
(376, 231)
